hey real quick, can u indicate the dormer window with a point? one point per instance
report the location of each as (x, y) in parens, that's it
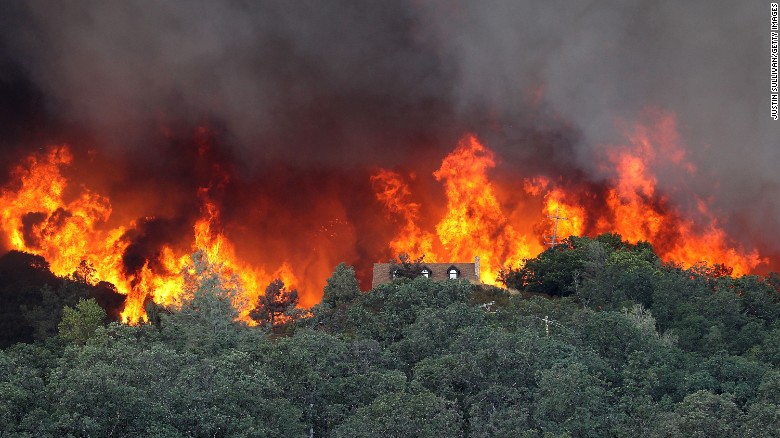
(426, 272)
(453, 273)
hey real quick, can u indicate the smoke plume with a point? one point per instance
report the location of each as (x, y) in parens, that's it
(298, 103)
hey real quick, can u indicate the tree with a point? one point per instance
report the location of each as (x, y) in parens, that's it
(79, 324)
(206, 316)
(342, 286)
(763, 416)
(703, 414)
(401, 414)
(405, 267)
(570, 398)
(617, 279)
(21, 277)
(552, 272)
(340, 291)
(85, 273)
(24, 410)
(274, 303)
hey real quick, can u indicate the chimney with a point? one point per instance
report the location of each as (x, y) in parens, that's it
(476, 267)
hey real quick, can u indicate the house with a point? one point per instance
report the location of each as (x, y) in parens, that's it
(434, 271)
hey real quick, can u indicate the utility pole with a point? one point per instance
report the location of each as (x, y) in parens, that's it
(554, 236)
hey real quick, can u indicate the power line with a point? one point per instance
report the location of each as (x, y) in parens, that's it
(554, 236)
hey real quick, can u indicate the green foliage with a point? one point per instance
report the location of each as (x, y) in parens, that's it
(32, 298)
(342, 287)
(598, 271)
(571, 399)
(552, 272)
(703, 414)
(79, 324)
(340, 293)
(401, 414)
(205, 318)
(22, 382)
(385, 311)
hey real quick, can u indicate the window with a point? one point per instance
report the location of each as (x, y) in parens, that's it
(426, 273)
(396, 274)
(453, 273)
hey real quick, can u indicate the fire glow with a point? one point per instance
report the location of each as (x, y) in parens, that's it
(474, 219)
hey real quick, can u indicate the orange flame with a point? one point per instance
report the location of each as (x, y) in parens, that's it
(476, 224)
(640, 213)
(39, 220)
(503, 224)
(393, 192)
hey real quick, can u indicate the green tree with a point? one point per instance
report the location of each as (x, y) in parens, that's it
(553, 272)
(341, 291)
(401, 414)
(205, 318)
(619, 279)
(79, 324)
(769, 350)
(703, 414)
(570, 398)
(342, 287)
(763, 415)
(387, 309)
(24, 407)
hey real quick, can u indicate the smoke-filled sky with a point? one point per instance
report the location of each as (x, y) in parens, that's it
(303, 95)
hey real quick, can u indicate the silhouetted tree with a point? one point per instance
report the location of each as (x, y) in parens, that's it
(275, 302)
(405, 267)
(85, 273)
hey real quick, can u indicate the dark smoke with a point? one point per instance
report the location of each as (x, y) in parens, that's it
(307, 97)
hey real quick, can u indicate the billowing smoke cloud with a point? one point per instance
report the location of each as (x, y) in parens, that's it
(307, 91)
(602, 62)
(299, 82)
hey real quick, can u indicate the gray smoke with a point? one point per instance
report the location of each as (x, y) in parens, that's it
(345, 84)
(297, 81)
(606, 61)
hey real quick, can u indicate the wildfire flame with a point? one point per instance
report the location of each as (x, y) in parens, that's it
(641, 213)
(39, 220)
(393, 192)
(475, 224)
(43, 214)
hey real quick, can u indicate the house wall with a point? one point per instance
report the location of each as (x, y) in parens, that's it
(438, 272)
